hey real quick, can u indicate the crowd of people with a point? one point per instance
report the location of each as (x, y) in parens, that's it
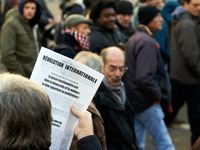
(149, 53)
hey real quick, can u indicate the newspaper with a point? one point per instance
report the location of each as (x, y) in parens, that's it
(67, 82)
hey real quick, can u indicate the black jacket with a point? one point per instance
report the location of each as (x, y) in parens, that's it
(145, 80)
(119, 123)
(127, 32)
(101, 37)
(86, 143)
(67, 48)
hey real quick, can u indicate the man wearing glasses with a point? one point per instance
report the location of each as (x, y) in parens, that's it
(112, 103)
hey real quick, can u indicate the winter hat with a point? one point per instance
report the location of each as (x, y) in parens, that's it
(36, 18)
(75, 19)
(124, 7)
(147, 13)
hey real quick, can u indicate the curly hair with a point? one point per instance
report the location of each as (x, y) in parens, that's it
(99, 6)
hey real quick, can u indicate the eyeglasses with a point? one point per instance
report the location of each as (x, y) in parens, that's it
(121, 69)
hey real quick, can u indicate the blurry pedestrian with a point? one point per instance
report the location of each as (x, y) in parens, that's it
(139, 4)
(45, 19)
(185, 65)
(104, 32)
(146, 82)
(20, 40)
(76, 36)
(124, 13)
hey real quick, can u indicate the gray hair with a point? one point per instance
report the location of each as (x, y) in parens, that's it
(25, 113)
(91, 60)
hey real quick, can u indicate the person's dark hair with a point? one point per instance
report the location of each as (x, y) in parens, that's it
(187, 1)
(142, 1)
(25, 114)
(99, 6)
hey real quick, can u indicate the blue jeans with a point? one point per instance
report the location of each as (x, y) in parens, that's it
(151, 120)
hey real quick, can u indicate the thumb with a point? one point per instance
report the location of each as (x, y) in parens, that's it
(75, 111)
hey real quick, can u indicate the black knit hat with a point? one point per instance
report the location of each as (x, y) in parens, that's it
(147, 13)
(124, 7)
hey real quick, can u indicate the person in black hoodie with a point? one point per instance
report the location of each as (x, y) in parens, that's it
(104, 31)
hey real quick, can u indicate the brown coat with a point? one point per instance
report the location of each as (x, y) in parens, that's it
(98, 126)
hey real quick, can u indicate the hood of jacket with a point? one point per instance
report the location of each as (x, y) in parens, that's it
(12, 13)
(36, 18)
(167, 10)
(177, 13)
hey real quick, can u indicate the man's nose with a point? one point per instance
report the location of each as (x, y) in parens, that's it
(89, 31)
(118, 73)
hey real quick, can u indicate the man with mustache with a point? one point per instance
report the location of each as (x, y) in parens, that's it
(104, 31)
(112, 103)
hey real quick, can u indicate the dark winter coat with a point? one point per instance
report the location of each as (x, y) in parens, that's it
(68, 47)
(185, 50)
(119, 123)
(145, 80)
(86, 143)
(101, 37)
(126, 32)
(18, 48)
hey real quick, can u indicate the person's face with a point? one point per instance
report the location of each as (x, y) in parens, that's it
(83, 28)
(193, 7)
(156, 23)
(29, 10)
(159, 4)
(114, 68)
(152, 2)
(107, 18)
(124, 19)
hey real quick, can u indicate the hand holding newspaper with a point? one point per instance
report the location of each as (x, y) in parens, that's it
(67, 83)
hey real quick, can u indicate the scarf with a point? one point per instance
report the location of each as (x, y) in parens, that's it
(83, 40)
(117, 93)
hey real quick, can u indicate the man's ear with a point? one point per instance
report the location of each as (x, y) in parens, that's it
(73, 29)
(185, 4)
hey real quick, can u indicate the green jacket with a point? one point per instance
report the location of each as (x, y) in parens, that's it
(18, 48)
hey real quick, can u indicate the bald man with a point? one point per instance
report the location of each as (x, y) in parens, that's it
(112, 104)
